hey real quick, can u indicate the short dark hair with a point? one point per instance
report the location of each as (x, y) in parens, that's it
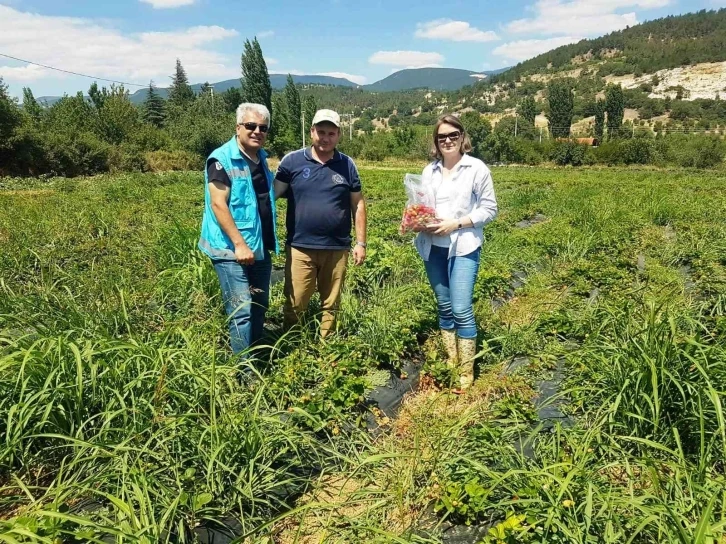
(465, 145)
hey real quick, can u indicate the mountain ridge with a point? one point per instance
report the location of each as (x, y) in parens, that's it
(409, 79)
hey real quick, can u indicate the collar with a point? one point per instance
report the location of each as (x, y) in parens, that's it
(308, 154)
(466, 161)
(237, 152)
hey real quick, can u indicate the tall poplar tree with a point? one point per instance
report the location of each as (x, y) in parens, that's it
(615, 108)
(293, 106)
(561, 101)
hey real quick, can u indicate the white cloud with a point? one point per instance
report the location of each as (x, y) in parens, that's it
(86, 46)
(266, 34)
(586, 17)
(24, 74)
(360, 80)
(270, 60)
(526, 49)
(166, 4)
(456, 31)
(407, 59)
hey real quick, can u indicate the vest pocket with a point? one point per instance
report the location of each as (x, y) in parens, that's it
(247, 230)
(241, 205)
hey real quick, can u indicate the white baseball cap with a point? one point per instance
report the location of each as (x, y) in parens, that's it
(322, 116)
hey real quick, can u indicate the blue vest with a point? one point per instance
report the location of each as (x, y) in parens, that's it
(242, 205)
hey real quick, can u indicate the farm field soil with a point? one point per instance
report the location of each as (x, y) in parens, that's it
(124, 418)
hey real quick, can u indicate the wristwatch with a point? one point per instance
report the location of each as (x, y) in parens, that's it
(361, 244)
(460, 226)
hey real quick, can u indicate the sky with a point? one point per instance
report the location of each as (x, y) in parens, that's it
(137, 41)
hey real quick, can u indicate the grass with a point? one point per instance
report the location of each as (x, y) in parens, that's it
(124, 419)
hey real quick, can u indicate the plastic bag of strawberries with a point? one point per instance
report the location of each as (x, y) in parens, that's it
(420, 205)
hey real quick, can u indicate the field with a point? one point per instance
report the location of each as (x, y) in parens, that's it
(123, 419)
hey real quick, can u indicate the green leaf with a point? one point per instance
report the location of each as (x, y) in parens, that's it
(201, 500)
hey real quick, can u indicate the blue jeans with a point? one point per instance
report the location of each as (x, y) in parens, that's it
(246, 296)
(453, 283)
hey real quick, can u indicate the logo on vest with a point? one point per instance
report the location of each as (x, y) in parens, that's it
(218, 165)
(338, 179)
(306, 173)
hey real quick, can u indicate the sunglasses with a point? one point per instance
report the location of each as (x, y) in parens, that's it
(453, 136)
(254, 126)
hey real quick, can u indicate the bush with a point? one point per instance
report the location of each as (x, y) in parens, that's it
(374, 150)
(572, 153)
(26, 153)
(80, 155)
(696, 151)
(533, 153)
(609, 153)
(164, 161)
(150, 138)
(352, 148)
(501, 147)
(126, 158)
(637, 151)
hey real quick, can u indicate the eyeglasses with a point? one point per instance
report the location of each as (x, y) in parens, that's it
(453, 136)
(254, 126)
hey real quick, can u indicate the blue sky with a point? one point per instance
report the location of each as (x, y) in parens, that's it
(138, 40)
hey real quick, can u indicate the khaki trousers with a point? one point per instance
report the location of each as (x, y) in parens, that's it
(306, 270)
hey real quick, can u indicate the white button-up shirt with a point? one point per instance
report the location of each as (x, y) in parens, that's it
(473, 197)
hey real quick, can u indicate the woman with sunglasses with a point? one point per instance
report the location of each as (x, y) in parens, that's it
(450, 246)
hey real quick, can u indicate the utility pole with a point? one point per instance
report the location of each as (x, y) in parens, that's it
(303, 128)
(540, 134)
(350, 121)
(212, 89)
(516, 124)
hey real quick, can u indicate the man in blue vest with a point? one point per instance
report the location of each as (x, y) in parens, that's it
(324, 201)
(238, 227)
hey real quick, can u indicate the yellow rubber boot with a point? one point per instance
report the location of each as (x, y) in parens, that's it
(467, 353)
(449, 340)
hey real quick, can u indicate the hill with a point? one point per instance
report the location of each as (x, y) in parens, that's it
(435, 79)
(440, 79)
(672, 70)
(660, 44)
(276, 80)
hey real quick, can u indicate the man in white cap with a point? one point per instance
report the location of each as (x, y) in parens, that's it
(324, 195)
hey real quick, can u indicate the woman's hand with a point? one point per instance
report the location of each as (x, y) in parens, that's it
(443, 227)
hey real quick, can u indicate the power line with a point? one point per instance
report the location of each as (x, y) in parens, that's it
(72, 73)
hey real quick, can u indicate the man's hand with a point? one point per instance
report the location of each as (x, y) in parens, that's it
(359, 254)
(243, 254)
(443, 227)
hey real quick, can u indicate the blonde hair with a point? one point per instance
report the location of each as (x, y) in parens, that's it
(464, 142)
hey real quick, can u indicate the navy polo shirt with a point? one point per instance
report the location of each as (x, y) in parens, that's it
(319, 214)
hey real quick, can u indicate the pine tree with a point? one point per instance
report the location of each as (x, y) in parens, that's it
(528, 110)
(154, 107)
(310, 107)
(599, 119)
(293, 111)
(561, 101)
(256, 86)
(232, 98)
(615, 108)
(97, 96)
(180, 93)
(31, 106)
(9, 115)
